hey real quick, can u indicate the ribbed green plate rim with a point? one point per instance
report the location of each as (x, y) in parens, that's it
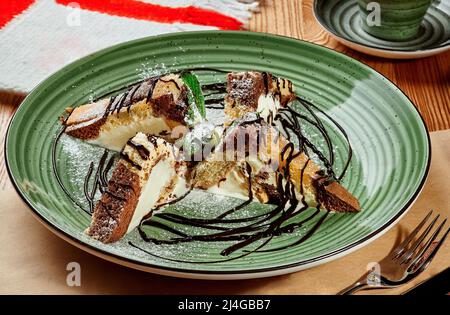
(318, 13)
(316, 69)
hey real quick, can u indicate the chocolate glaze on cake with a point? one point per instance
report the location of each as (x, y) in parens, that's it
(156, 105)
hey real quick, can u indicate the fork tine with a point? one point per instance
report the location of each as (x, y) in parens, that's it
(427, 245)
(407, 256)
(424, 264)
(402, 246)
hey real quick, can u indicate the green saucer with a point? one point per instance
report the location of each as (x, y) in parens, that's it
(342, 20)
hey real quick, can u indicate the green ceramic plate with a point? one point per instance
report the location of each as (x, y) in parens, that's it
(341, 19)
(389, 166)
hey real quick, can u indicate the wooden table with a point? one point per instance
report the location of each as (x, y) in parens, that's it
(425, 81)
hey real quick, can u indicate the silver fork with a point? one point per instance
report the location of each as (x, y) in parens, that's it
(406, 261)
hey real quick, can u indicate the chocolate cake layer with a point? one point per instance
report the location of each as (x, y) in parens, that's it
(113, 212)
(256, 92)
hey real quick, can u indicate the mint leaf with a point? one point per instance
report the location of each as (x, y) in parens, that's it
(195, 94)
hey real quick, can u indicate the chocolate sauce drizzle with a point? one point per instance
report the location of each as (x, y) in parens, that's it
(127, 98)
(100, 179)
(214, 94)
(257, 230)
(99, 182)
(56, 171)
(262, 227)
(142, 150)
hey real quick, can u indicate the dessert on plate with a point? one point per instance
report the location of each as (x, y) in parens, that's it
(251, 156)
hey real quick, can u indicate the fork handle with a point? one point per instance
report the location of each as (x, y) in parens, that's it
(355, 287)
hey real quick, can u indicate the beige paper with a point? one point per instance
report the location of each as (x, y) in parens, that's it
(33, 260)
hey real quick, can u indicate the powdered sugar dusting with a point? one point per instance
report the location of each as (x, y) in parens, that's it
(76, 158)
(148, 70)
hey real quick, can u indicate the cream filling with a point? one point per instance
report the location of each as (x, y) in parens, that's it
(231, 187)
(235, 184)
(180, 187)
(116, 137)
(267, 104)
(235, 187)
(159, 178)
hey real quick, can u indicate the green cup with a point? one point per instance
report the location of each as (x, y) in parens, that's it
(393, 19)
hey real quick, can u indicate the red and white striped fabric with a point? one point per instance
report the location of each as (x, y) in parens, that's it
(38, 37)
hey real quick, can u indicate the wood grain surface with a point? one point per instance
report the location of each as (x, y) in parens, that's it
(425, 81)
